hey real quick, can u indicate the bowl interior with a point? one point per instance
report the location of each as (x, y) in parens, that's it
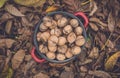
(37, 28)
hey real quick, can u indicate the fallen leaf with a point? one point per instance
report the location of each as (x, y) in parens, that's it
(93, 26)
(94, 8)
(2, 2)
(94, 53)
(96, 20)
(13, 10)
(18, 58)
(85, 62)
(72, 5)
(111, 22)
(6, 43)
(10, 73)
(40, 3)
(110, 44)
(31, 3)
(110, 63)
(100, 74)
(41, 75)
(68, 74)
(26, 2)
(52, 8)
(8, 26)
(26, 22)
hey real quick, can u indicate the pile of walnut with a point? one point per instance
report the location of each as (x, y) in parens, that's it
(60, 37)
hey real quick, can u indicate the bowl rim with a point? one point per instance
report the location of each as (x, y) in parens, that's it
(36, 43)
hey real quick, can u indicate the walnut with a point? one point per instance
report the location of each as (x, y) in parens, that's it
(53, 39)
(68, 54)
(62, 49)
(43, 49)
(60, 57)
(52, 48)
(57, 16)
(43, 27)
(67, 29)
(61, 41)
(45, 36)
(80, 40)
(71, 37)
(50, 55)
(39, 36)
(74, 22)
(78, 30)
(62, 22)
(75, 50)
(56, 32)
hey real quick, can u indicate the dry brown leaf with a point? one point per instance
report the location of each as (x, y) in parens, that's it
(100, 74)
(110, 63)
(96, 20)
(72, 5)
(18, 58)
(94, 8)
(93, 26)
(111, 22)
(94, 53)
(6, 43)
(13, 10)
(41, 75)
(110, 44)
(8, 26)
(85, 62)
(67, 74)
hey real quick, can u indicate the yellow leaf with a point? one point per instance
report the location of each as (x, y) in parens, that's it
(52, 8)
(110, 63)
(40, 3)
(31, 3)
(26, 2)
(2, 2)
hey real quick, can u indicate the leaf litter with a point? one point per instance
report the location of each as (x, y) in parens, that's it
(100, 56)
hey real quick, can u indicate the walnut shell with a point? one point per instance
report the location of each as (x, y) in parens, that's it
(57, 16)
(62, 22)
(53, 40)
(54, 24)
(47, 19)
(62, 41)
(68, 54)
(71, 37)
(78, 30)
(52, 48)
(43, 49)
(50, 55)
(62, 49)
(75, 50)
(67, 29)
(43, 27)
(74, 22)
(56, 32)
(39, 36)
(60, 57)
(51, 43)
(45, 36)
(80, 40)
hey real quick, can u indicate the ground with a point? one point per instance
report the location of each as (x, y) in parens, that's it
(100, 57)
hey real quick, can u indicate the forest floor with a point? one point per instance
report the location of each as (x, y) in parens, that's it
(100, 57)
